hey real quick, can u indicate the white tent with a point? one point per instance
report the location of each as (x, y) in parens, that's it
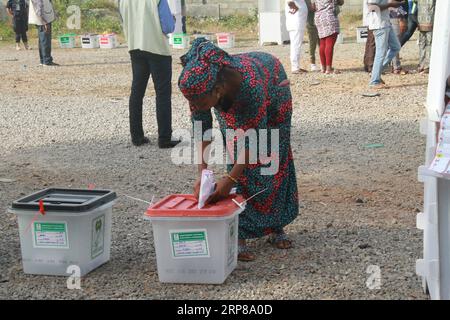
(434, 268)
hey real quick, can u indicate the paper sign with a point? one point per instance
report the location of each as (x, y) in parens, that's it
(441, 160)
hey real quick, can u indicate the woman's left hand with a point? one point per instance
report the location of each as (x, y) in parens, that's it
(223, 188)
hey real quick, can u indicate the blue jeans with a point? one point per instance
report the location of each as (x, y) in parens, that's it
(45, 44)
(387, 47)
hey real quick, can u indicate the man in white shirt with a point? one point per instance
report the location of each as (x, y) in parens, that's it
(296, 18)
(148, 44)
(386, 41)
(42, 14)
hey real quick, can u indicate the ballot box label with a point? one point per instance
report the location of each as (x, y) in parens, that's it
(189, 243)
(50, 235)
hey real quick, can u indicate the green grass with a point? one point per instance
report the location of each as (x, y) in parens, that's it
(245, 26)
(97, 16)
(6, 31)
(351, 18)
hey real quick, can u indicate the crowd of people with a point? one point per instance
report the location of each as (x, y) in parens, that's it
(320, 18)
(391, 23)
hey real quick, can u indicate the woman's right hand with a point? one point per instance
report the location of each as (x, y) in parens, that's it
(197, 188)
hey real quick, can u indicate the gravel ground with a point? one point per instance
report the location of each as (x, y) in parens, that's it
(68, 127)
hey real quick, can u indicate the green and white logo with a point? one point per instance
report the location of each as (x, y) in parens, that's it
(98, 236)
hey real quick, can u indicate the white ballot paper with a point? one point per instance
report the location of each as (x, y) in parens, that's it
(207, 186)
(441, 161)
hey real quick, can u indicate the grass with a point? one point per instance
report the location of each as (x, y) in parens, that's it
(97, 16)
(244, 26)
(351, 19)
(6, 31)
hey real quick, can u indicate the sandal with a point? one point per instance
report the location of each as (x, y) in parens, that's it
(244, 254)
(299, 71)
(400, 71)
(280, 240)
(333, 71)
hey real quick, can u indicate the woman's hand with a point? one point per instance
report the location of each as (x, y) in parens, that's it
(223, 188)
(197, 187)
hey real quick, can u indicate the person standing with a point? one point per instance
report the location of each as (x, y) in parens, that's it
(42, 14)
(296, 16)
(18, 10)
(313, 36)
(327, 22)
(369, 52)
(398, 21)
(425, 17)
(146, 24)
(386, 41)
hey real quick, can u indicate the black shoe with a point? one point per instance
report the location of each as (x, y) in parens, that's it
(51, 64)
(140, 142)
(168, 144)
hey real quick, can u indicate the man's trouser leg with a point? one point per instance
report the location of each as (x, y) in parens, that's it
(381, 44)
(161, 71)
(393, 47)
(141, 75)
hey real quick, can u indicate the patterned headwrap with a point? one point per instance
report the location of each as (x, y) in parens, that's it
(202, 63)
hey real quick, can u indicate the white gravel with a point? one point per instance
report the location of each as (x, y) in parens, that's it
(68, 127)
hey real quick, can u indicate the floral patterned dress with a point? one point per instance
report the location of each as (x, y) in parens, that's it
(261, 104)
(326, 18)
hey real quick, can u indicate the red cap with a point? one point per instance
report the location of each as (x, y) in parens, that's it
(186, 205)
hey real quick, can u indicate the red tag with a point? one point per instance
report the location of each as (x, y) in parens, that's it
(91, 186)
(41, 207)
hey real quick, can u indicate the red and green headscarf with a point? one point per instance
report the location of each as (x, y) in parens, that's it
(202, 63)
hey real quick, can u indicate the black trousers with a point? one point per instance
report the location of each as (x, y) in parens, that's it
(412, 26)
(159, 67)
(20, 27)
